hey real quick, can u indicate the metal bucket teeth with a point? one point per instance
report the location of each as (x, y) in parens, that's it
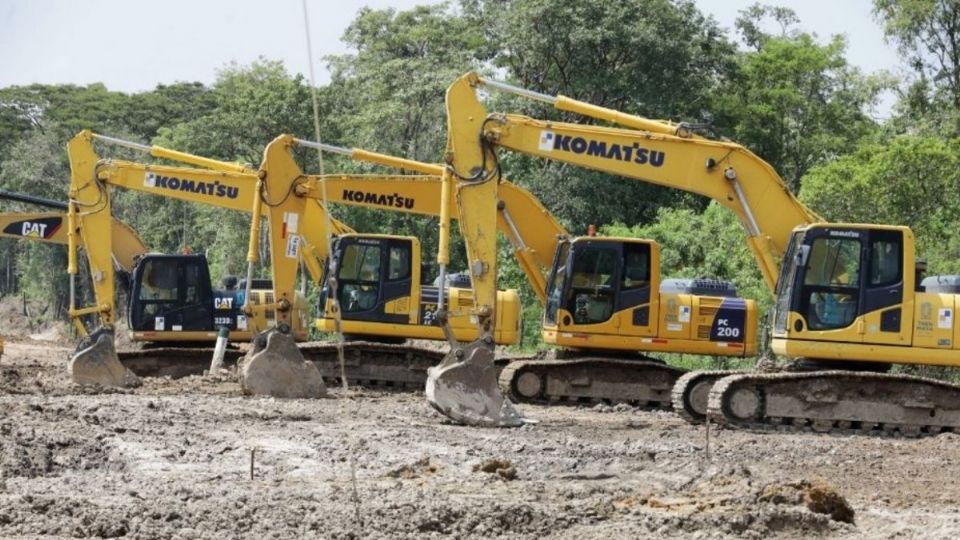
(464, 388)
(96, 362)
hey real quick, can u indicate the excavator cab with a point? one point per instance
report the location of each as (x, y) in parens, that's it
(171, 293)
(844, 283)
(172, 299)
(383, 297)
(374, 278)
(595, 278)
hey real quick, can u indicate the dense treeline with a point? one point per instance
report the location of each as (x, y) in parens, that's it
(790, 96)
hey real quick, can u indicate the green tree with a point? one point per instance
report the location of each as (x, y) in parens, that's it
(793, 101)
(909, 180)
(927, 35)
(655, 58)
(387, 95)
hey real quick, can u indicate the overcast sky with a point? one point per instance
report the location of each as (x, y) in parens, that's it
(132, 45)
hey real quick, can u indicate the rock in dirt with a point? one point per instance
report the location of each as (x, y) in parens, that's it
(502, 467)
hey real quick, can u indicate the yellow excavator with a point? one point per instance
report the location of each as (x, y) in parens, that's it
(174, 314)
(380, 279)
(848, 297)
(686, 319)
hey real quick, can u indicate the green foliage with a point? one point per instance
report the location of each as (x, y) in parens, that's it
(912, 181)
(927, 35)
(793, 101)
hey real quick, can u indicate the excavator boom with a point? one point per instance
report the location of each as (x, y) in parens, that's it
(848, 297)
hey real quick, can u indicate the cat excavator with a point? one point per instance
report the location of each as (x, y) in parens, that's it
(182, 314)
(171, 300)
(848, 297)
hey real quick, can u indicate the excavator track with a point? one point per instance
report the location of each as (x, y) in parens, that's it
(374, 364)
(837, 402)
(369, 364)
(645, 383)
(691, 393)
(174, 362)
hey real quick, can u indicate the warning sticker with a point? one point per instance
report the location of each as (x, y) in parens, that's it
(683, 315)
(291, 220)
(293, 246)
(158, 324)
(945, 320)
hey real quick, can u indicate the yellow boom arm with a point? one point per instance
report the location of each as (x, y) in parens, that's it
(226, 185)
(532, 230)
(50, 227)
(533, 238)
(651, 151)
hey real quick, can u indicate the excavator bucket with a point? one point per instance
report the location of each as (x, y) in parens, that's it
(96, 362)
(276, 367)
(464, 388)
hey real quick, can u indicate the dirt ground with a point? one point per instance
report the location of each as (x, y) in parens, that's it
(172, 459)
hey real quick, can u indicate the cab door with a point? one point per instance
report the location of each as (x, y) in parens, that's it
(851, 287)
(374, 276)
(171, 293)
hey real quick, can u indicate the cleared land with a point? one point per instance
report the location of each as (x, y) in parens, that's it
(172, 459)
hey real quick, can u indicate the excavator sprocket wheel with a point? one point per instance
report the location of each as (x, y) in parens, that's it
(692, 391)
(278, 369)
(464, 388)
(96, 362)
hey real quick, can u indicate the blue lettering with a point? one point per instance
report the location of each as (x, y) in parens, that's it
(641, 156)
(597, 148)
(578, 145)
(656, 158)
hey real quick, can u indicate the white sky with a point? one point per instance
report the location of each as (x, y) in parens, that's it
(131, 45)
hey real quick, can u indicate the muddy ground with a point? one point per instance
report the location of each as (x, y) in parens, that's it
(172, 459)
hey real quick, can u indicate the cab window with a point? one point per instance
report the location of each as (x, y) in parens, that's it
(886, 262)
(399, 263)
(636, 266)
(592, 284)
(832, 283)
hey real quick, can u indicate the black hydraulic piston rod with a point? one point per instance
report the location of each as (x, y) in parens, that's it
(32, 199)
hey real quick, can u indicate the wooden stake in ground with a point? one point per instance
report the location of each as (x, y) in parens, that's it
(253, 453)
(708, 437)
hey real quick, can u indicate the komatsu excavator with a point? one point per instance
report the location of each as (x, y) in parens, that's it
(848, 297)
(379, 278)
(713, 322)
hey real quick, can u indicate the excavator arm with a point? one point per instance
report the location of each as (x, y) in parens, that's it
(534, 238)
(228, 185)
(49, 227)
(651, 151)
(223, 184)
(533, 233)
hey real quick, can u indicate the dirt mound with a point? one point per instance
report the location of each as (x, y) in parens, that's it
(733, 501)
(502, 467)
